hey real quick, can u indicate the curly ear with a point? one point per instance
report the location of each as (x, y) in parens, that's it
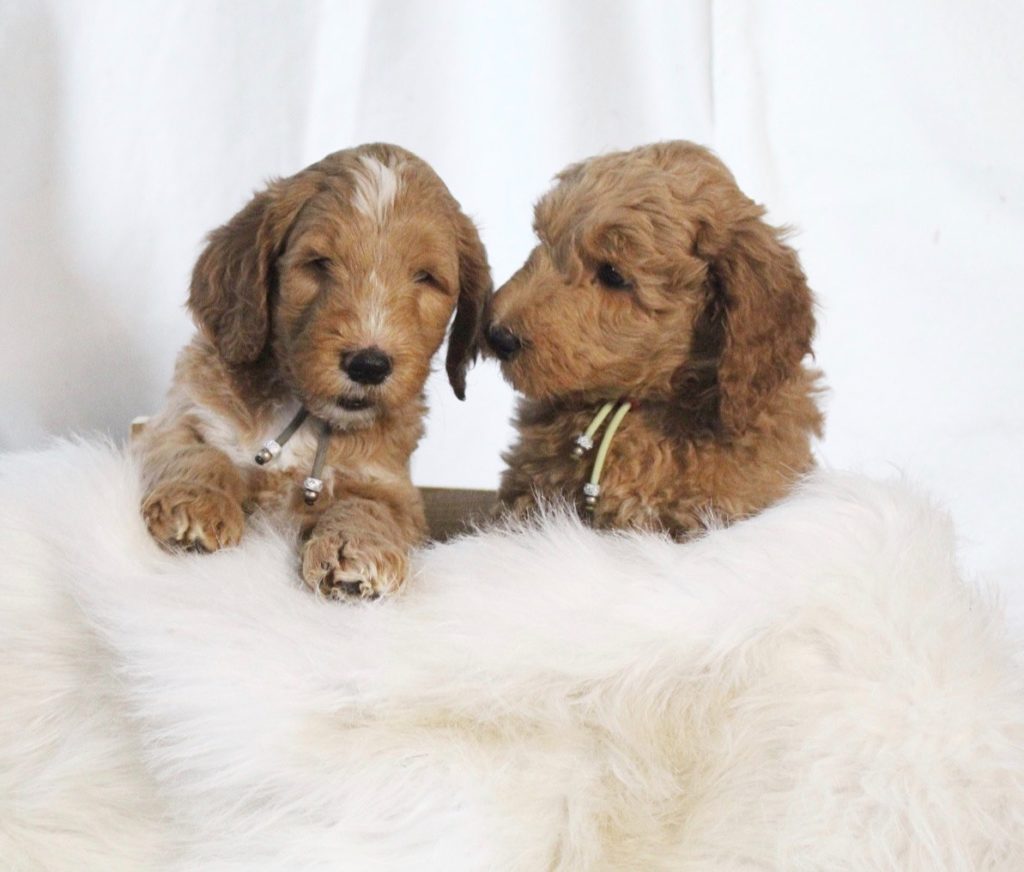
(475, 288)
(232, 280)
(757, 284)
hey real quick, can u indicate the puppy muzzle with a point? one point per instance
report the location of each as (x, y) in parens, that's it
(503, 342)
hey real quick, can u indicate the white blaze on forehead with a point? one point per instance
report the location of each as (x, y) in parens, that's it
(376, 185)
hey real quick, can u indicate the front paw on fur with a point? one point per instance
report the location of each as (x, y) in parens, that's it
(347, 568)
(195, 517)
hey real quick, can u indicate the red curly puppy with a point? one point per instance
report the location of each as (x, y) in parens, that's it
(658, 333)
(322, 304)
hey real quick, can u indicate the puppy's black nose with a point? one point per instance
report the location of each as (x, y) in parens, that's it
(503, 341)
(370, 366)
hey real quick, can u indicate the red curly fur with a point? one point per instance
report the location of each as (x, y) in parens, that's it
(708, 334)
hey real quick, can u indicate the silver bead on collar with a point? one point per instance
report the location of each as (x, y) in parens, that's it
(313, 485)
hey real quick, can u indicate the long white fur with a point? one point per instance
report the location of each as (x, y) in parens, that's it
(219, 431)
(815, 688)
(376, 186)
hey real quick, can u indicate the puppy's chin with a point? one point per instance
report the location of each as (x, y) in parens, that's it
(346, 419)
(354, 404)
(535, 385)
(515, 374)
(346, 412)
(531, 382)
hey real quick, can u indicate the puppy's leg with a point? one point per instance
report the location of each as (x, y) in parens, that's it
(517, 491)
(194, 493)
(360, 545)
(516, 503)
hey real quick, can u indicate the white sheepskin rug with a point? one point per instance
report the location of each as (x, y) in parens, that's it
(813, 689)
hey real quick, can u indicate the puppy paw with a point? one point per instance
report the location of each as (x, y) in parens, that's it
(343, 567)
(196, 517)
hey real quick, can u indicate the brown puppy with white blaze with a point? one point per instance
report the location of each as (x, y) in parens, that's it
(331, 292)
(656, 282)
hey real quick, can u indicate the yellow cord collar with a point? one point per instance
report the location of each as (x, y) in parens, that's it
(585, 441)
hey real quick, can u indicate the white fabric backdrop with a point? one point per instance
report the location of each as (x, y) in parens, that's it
(889, 133)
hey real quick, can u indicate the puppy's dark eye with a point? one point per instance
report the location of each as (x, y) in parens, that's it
(425, 278)
(319, 264)
(610, 277)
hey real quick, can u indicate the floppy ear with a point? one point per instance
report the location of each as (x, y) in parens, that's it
(763, 312)
(233, 278)
(475, 288)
